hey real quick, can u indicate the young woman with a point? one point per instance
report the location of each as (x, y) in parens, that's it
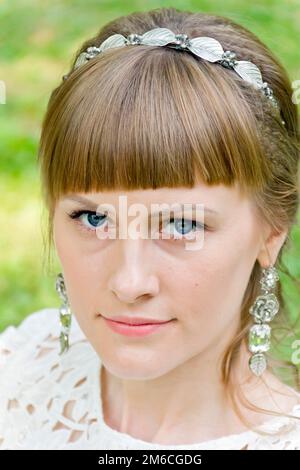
(165, 339)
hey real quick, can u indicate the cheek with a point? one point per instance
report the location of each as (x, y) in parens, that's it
(82, 269)
(210, 286)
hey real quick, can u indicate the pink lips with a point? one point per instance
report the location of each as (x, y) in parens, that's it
(135, 320)
(134, 328)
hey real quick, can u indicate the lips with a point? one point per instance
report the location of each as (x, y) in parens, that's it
(136, 320)
(137, 330)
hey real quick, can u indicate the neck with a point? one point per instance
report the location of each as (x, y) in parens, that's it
(187, 404)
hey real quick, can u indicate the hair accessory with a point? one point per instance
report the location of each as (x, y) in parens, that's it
(206, 48)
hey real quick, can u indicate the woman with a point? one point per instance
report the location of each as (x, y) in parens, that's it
(162, 121)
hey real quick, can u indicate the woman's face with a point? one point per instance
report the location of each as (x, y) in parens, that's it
(201, 290)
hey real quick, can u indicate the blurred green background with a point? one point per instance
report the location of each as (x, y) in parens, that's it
(37, 42)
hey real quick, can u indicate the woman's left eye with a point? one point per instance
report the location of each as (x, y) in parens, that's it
(89, 219)
(184, 227)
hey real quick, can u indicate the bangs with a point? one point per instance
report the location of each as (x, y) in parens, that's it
(140, 117)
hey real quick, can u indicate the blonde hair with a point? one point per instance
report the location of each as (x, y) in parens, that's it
(146, 117)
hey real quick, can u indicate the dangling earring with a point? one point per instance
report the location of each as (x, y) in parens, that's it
(264, 309)
(65, 314)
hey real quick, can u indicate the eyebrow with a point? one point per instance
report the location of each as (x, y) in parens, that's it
(93, 205)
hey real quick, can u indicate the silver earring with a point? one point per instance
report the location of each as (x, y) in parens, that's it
(264, 309)
(65, 314)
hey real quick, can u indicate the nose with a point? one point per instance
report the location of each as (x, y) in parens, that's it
(134, 278)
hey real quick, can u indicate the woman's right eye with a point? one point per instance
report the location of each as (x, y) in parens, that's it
(90, 220)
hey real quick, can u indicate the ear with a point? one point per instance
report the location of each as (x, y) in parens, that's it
(271, 243)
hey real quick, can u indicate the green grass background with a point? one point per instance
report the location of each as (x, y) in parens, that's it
(37, 41)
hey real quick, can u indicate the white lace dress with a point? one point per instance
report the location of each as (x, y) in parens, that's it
(36, 384)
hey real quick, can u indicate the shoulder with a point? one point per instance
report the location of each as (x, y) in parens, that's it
(282, 433)
(32, 332)
(36, 382)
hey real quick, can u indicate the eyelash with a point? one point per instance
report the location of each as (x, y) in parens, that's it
(75, 215)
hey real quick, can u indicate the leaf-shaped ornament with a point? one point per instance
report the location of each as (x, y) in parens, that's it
(158, 37)
(116, 40)
(249, 72)
(207, 48)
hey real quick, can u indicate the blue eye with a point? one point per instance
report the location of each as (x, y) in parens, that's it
(91, 220)
(184, 227)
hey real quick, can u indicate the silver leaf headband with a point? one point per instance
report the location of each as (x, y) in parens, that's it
(204, 47)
